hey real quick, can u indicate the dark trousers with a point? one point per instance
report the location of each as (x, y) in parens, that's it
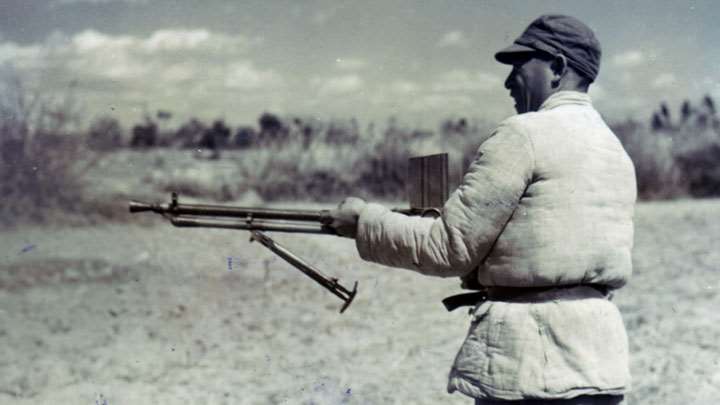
(581, 400)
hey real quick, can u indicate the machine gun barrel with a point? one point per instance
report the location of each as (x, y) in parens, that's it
(191, 222)
(175, 209)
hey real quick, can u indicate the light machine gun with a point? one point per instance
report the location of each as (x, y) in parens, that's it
(427, 191)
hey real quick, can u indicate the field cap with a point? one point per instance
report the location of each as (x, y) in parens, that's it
(556, 34)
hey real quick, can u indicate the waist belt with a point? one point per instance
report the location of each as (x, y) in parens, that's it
(498, 293)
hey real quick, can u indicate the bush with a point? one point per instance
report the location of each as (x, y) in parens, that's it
(39, 178)
(657, 171)
(673, 161)
(699, 161)
(39, 174)
(335, 160)
(105, 134)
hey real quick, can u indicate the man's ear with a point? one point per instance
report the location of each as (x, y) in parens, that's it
(559, 67)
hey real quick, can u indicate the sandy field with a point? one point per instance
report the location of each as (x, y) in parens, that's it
(150, 314)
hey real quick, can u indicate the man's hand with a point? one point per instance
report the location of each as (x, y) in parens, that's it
(346, 216)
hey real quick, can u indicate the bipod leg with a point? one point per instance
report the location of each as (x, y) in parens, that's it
(330, 283)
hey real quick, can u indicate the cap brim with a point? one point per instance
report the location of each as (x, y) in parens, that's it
(513, 53)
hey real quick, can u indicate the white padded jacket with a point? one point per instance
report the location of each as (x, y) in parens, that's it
(548, 201)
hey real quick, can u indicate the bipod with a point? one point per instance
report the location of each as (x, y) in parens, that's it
(330, 283)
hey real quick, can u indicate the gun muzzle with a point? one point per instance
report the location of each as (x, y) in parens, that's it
(137, 206)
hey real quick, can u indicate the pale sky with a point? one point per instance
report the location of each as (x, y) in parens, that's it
(420, 61)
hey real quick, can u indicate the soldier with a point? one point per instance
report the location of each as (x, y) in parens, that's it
(543, 222)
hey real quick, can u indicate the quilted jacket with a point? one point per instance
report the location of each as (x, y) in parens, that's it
(547, 201)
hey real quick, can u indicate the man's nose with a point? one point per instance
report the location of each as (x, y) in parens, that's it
(508, 81)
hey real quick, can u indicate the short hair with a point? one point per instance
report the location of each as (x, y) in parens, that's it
(583, 82)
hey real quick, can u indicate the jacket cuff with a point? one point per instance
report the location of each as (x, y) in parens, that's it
(367, 230)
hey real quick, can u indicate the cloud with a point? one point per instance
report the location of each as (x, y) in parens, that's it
(164, 54)
(181, 72)
(192, 71)
(459, 80)
(664, 80)
(350, 64)
(404, 87)
(338, 85)
(321, 17)
(243, 75)
(174, 40)
(68, 2)
(628, 59)
(22, 57)
(634, 58)
(453, 39)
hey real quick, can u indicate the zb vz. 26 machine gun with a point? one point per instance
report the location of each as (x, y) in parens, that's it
(427, 191)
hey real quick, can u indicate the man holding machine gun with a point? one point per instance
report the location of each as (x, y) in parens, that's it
(542, 223)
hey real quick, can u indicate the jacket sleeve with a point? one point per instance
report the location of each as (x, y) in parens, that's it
(473, 217)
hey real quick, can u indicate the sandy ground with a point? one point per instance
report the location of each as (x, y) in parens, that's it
(130, 314)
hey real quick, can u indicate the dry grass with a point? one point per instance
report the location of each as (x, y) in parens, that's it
(673, 163)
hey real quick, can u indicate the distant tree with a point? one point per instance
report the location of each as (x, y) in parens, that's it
(304, 131)
(661, 119)
(245, 137)
(702, 121)
(709, 103)
(708, 115)
(215, 137)
(163, 115)
(454, 127)
(685, 112)
(144, 135)
(189, 134)
(165, 134)
(712, 111)
(272, 129)
(221, 133)
(656, 123)
(665, 112)
(338, 133)
(105, 133)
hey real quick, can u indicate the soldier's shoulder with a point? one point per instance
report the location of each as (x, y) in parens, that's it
(532, 122)
(520, 123)
(524, 120)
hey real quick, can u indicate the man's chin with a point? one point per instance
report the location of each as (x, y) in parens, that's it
(517, 106)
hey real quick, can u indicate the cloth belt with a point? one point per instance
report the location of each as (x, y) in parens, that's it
(530, 294)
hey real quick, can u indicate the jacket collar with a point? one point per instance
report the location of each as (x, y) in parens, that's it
(565, 97)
